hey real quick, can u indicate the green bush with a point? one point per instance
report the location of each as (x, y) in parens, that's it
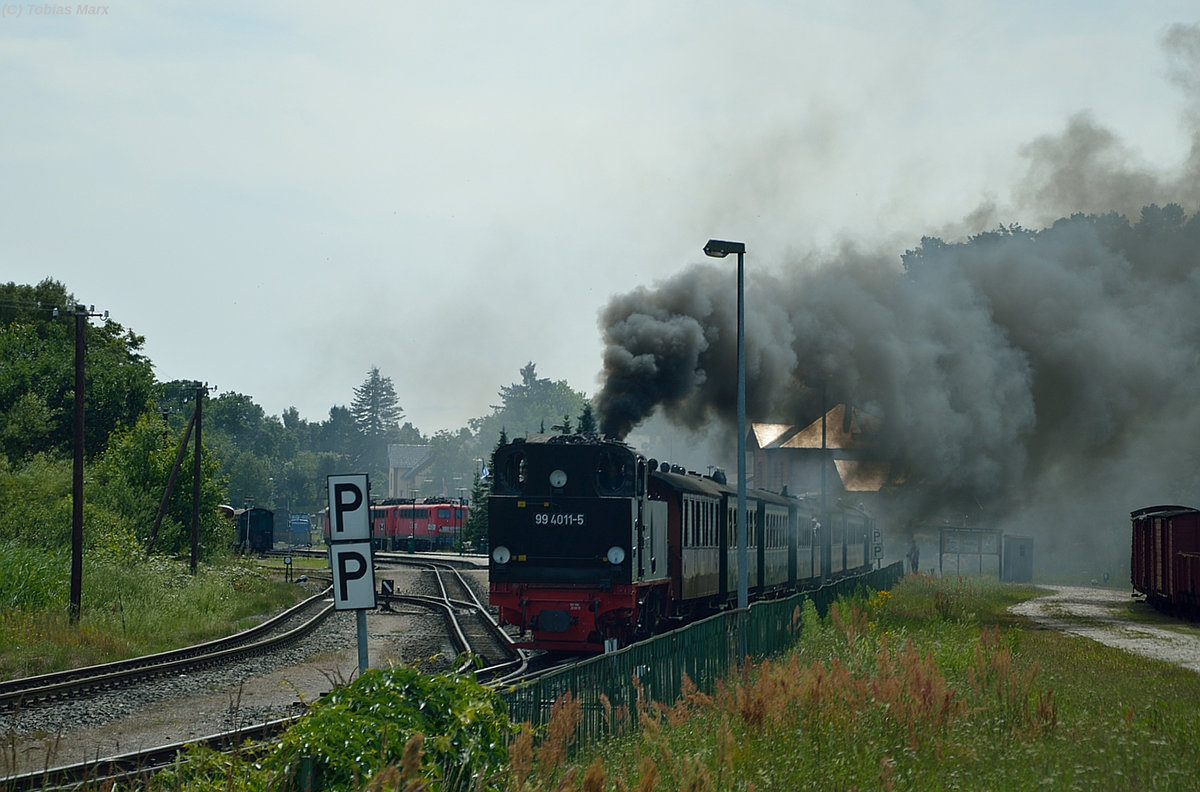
(35, 502)
(356, 730)
(389, 729)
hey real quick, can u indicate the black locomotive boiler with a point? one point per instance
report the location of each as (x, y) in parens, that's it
(595, 546)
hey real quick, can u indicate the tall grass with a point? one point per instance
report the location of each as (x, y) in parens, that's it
(129, 607)
(933, 686)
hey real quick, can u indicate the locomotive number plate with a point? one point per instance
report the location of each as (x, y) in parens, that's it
(558, 518)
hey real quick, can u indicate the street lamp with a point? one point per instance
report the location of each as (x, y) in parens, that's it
(720, 249)
(458, 515)
(412, 537)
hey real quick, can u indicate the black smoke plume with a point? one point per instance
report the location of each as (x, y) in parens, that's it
(1048, 377)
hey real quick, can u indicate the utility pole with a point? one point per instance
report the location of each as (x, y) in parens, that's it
(201, 390)
(81, 316)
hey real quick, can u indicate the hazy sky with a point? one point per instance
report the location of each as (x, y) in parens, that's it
(279, 196)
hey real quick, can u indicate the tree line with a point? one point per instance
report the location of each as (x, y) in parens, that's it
(135, 425)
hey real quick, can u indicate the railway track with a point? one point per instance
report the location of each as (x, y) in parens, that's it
(282, 630)
(485, 650)
(129, 769)
(475, 632)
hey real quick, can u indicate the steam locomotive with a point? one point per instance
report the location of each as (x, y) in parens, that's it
(594, 546)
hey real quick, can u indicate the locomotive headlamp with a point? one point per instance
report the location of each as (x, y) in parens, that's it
(558, 478)
(615, 555)
(501, 554)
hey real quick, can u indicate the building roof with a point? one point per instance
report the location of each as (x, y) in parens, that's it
(409, 457)
(857, 432)
(862, 476)
(846, 428)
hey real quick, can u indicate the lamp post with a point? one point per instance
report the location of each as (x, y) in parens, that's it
(412, 536)
(720, 249)
(458, 515)
(247, 505)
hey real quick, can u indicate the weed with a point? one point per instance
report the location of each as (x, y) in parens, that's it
(929, 687)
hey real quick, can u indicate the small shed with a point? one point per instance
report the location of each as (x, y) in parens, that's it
(1018, 559)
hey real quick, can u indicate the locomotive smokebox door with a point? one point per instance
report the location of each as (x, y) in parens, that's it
(1018, 559)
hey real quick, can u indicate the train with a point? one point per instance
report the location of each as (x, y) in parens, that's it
(299, 530)
(1165, 557)
(408, 524)
(595, 546)
(255, 529)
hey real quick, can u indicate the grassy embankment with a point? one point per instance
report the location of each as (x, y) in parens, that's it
(129, 608)
(933, 686)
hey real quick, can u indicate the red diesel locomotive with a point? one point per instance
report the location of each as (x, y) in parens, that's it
(404, 524)
(594, 546)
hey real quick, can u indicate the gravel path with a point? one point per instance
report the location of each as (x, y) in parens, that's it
(1114, 618)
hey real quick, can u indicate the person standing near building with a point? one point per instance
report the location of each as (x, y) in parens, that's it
(914, 557)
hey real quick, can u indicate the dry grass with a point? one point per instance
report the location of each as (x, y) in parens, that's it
(931, 687)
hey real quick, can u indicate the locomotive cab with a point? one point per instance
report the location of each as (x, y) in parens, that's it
(577, 547)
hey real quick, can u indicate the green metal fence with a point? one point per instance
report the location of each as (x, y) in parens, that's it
(606, 686)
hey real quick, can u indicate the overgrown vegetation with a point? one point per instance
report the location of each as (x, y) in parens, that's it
(933, 686)
(390, 729)
(131, 607)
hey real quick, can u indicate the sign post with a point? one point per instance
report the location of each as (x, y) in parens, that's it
(350, 556)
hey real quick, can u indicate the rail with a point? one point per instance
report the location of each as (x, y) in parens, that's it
(31, 691)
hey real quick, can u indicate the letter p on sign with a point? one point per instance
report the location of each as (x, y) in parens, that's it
(349, 508)
(353, 575)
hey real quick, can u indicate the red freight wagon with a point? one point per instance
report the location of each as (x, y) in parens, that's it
(1165, 557)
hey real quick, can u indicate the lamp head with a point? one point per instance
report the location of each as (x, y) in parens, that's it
(718, 248)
